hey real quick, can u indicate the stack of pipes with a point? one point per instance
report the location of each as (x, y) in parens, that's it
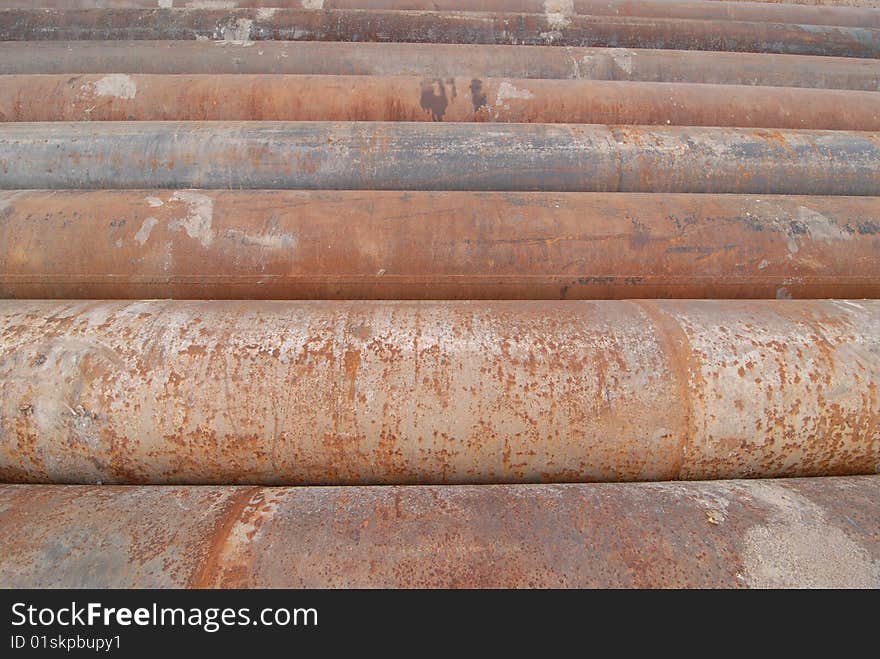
(400, 293)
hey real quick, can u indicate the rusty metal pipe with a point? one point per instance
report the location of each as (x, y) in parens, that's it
(821, 532)
(240, 26)
(277, 392)
(854, 16)
(437, 156)
(120, 97)
(439, 60)
(824, 3)
(435, 245)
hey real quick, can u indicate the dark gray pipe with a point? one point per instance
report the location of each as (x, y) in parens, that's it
(245, 25)
(405, 156)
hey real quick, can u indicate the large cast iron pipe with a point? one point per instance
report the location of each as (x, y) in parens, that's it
(437, 156)
(247, 25)
(821, 532)
(439, 60)
(435, 245)
(120, 97)
(853, 16)
(325, 392)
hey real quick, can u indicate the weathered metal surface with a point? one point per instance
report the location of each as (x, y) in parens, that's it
(854, 16)
(277, 392)
(246, 25)
(850, 13)
(440, 245)
(437, 156)
(824, 3)
(439, 60)
(236, 97)
(822, 532)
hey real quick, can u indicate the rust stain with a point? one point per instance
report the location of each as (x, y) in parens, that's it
(351, 361)
(686, 377)
(206, 575)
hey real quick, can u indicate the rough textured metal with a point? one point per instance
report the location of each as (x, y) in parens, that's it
(439, 60)
(825, 3)
(800, 533)
(437, 156)
(324, 392)
(440, 245)
(246, 25)
(120, 97)
(854, 16)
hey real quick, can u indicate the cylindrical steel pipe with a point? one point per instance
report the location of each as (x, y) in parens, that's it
(435, 245)
(277, 392)
(121, 97)
(437, 156)
(823, 3)
(439, 60)
(821, 532)
(243, 26)
(854, 16)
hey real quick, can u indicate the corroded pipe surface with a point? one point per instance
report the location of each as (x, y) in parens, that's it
(439, 60)
(437, 156)
(246, 25)
(821, 532)
(823, 3)
(854, 16)
(436, 392)
(440, 245)
(120, 97)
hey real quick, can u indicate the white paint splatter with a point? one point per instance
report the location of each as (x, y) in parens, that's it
(211, 4)
(274, 241)
(715, 500)
(166, 4)
(622, 58)
(153, 202)
(168, 261)
(237, 33)
(558, 13)
(763, 264)
(847, 305)
(820, 227)
(199, 216)
(312, 4)
(143, 233)
(117, 85)
(807, 224)
(605, 63)
(266, 13)
(559, 7)
(507, 91)
(798, 547)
